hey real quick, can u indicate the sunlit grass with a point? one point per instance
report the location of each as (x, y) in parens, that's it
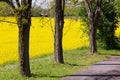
(41, 37)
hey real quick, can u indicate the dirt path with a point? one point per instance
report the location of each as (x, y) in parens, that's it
(108, 69)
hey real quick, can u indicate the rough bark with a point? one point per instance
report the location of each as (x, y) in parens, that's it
(59, 23)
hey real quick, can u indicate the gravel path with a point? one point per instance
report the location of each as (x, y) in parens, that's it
(108, 69)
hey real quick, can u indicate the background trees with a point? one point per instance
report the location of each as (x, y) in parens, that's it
(5, 9)
(36, 10)
(106, 35)
(107, 24)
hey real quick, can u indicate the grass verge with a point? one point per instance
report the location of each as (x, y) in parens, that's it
(43, 68)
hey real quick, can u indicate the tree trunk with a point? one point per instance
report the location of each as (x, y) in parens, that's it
(24, 22)
(24, 50)
(59, 22)
(93, 44)
(93, 17)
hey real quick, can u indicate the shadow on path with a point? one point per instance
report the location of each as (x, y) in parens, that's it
(44, 76)
(108, 69)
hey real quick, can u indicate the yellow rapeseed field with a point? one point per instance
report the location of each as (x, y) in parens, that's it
(41, 37)
(117, 32)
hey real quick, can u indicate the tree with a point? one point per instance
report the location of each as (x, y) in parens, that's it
(106, 34)
(94, 13)
(71, 8)
(36, 10)
(22, 10)
(107, 24)
(59, 23)
(117, 8)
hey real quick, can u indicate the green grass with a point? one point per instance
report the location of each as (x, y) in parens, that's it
(110, 52)
(43, 68)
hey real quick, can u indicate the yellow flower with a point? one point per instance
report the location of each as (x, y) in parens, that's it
(41, 37)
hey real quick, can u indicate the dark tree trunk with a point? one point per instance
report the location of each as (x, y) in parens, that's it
(24, 30)
(59, 23)
(24, 23)
(93, 44)
(24, 50)
(94, 17)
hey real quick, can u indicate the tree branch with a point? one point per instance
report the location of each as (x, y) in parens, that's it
(89, 10)
(30, 3)
(7, 21)
(23, 2)
(98, 10)
(18, 3)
